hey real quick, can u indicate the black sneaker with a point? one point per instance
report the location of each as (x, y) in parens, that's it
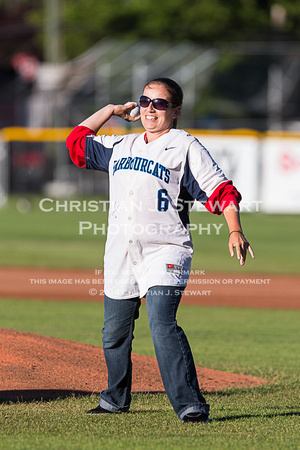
(196, 417)
(99, 410)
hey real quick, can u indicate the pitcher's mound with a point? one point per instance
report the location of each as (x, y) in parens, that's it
(34, 367)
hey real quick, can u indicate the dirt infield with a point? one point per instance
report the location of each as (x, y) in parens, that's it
(210, 289)
(34, 366)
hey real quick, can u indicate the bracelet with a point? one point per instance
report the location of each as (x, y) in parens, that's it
(236, 231)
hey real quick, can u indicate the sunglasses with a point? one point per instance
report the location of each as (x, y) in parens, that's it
(158, 103)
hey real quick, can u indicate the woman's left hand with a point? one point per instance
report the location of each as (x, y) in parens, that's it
(238, 242)
(124, 111)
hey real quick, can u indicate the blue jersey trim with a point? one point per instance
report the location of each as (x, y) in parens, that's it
(97, 157)
(189, 191)
(191, 184)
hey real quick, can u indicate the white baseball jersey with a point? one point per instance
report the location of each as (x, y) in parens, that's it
(148, 241)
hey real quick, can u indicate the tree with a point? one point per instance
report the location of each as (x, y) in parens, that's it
(201, 21)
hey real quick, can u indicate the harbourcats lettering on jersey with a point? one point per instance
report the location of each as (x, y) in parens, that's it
(143, 165)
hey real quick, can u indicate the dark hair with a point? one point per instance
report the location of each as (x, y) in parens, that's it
(174, 90)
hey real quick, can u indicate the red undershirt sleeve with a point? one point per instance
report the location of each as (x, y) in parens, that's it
(224, 195)
(76, 144)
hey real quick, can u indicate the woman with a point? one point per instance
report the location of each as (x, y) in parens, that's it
(154, 179)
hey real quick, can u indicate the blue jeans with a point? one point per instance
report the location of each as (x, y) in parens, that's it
(171, 346)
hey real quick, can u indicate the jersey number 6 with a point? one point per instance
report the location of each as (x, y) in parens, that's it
(162, 200)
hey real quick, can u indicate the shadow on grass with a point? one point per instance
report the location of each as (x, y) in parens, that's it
(30, 395)
(38, 395)
(249, 416)
(27, 396)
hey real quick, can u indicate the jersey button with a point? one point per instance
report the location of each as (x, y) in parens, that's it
(135, 263)
(131, 241)
(129, 218)
(131, 193)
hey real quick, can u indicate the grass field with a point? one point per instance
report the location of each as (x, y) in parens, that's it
(51, 239)
(261, 342)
